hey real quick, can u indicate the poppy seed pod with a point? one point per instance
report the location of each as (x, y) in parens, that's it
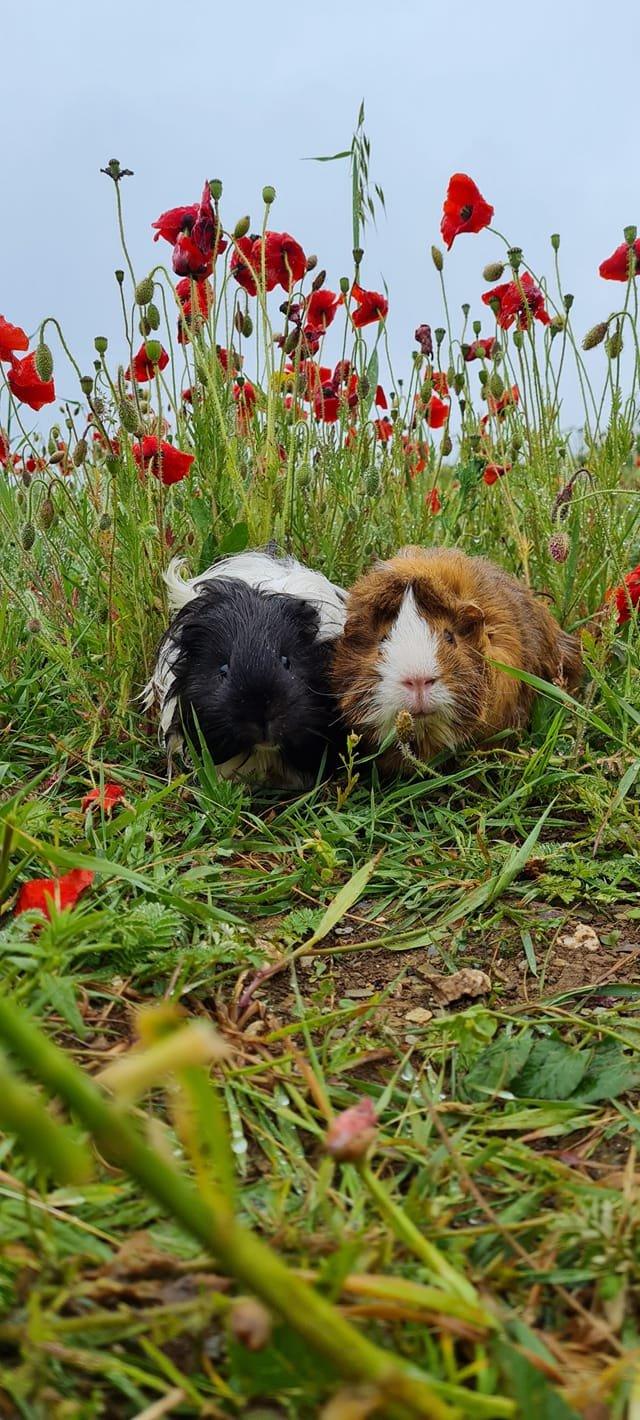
(101, 344)
(344, 284)
(241, 228)
(514, 256)
(153, 317)
(492, 272)
(144, 326)
(439, 333)
(80, 453)
(46, 514)
(437, 258)
(268, 195)
(119, 275)
(596, 335)
(630, 235)
(518, 339)
(153, 351)
(555, 241)
(144, 291)
(28, 536)
(215, 188)
(44, 362)
(496, 385)
(358, 255)
(465, 309)
(86, 384)
(567, 301)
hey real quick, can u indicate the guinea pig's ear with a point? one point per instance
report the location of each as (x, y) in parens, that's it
(469, 619)
(373, 602)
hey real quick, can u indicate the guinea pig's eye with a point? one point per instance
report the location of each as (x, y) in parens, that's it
(286, 662)
(449, 637)
(223, 670)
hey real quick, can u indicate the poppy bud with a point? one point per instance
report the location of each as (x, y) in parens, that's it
(21, 500)
(465, 309)
(372, 482)
(128, 416)
(250, 1323)
(596, 335)
(312, 262)
(86, 384)
(119, 275)
(144, 291)
(268, 195)
(555, 241)
(318, 281)
(447, 445)
(514, 255)
(439, 333)
(357, 255)
(492, 272)
(26, 478)
(476, 327)
(559, 547)
(105, 523)
(241, 228)
(558, 324)
(496, 385)
(34, 626)
(451, 374)
(516, 444)
(44, 362)
(28, 536)
(144, 326)
(614, 345)
(351, 1134)
(344, 284)
(153, 351)
(437, 258)
(568, 301)
(215, 188)
(101, 344)
(153, 317)
(483, 376)
(630, 235)
(80, 453)
(426, 391)
(458, 382)
(46, 514)
(518, 339)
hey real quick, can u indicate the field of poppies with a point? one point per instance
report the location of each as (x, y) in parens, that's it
(317, 1105)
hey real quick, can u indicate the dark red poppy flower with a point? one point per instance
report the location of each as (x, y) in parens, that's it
(380, 398)
(521, 300)
(162, 459)
(624, 262)
(320, 310)
(187, 290)
(433, 500)
(107, 798)
(189, 260)
(423, 337)
(326, 404)
(500, 405)
(178, 219)
(480, 349)
(465, 209)
(42, 893)
(25, 383)
(627, 596)
(384, 429)
(494, 471)
(12, 337)
(370, 306)
(145, 369)
(313, 378)
(284, 260)
(245, 263)
(437, 412)
(206, 231)
(350, 437)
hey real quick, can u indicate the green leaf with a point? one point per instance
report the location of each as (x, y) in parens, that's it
(496, 1066)
(611, 1072)
(530, 1389)
(207, 553)
(235, 540)
(343, 901)
(552, 1072)
(60, 993)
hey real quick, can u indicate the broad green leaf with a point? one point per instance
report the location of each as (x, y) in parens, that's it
(496, 1066)
(611, 1072)
(235, 540)
(552, 1072)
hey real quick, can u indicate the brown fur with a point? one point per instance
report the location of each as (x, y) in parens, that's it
(492, 617)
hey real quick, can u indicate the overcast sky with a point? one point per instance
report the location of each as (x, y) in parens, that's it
(538, 102)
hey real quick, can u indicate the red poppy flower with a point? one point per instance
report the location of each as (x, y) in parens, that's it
(64, 891)
(284, 260)
(4, 448)
(371, 306)
(326, 404)
(291, 405)
(384, 429)
(627, 596)
(342, 372)
(245, 263)
(230, 360)
(25, 383)
(161, 459)
(500, 406)
(145, 369)
(206, 230)
(12, 337)
(424, 339)
(432, 500)
(517, 299)
(313, 378)
(437, 412)
(624, 262)
(203, 292)
(178, 219)
(494, 471)
(320, 310)
(465, 209)
(440, 382)
(480, 349)
(415, 453)
(351, 435)
(380, 398)
(188, 258)
(108, 799)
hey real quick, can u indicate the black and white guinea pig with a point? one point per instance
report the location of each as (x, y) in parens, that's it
(246, 661)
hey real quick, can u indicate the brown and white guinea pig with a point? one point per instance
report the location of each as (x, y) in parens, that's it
(421, 632)
(246, 664)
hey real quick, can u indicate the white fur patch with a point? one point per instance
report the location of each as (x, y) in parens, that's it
(267, 573)
(409, 650)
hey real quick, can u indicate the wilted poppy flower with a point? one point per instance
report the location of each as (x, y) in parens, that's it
(245, 397)
(245, 263)
(440, 382)
(351, 1134)
(145, 369)
(205, 231)
(162, 459)
(12, 337)
(371, 306)
(178, 219)
(320, 310)
(423, 337)
(380, 399)
(108, 798)
(465, 209)
(284, 260)
(25, 383)
(494, 471)
(432, 500)
(480, 349)
(499, 406)
(384, 429)
(627, 596)
(437, 412)
(189, 260)
(624, 262)
(64, 891)
(521, 300)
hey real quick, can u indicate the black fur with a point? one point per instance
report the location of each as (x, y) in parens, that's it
(275, 689)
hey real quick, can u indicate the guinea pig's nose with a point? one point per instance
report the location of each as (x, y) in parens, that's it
(419, 683)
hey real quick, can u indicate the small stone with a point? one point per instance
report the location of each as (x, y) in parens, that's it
(419, 1016)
